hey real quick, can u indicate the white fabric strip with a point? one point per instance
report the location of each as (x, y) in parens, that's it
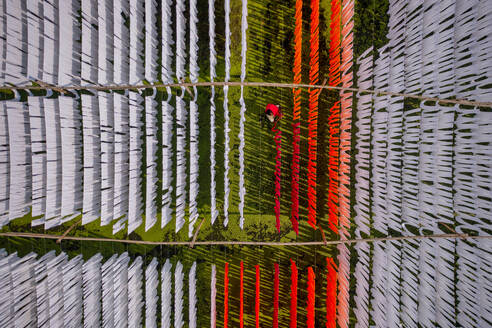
(94, 291)
(137, 25)
(50, 41)
(108, 293)
(121, 146)
(69, 60)
(55, 289)
(24, 291)
(227, 8)
(20, 159)
(178, 295)
(151, 159)
(106, 108)
(213, 62)
(167, 114)
(151, 114)
(7, 312)
(92, 159)
(194, 129)
(151, 41)
(396, 83)
(5, 167)
(410, 161)
(3, 48)
(135, 295)
(151, 296)
(42, 289)
(120, 285)
(38, 153)
(181, 115)
(166, 294)
(135, 194)
(378, 181)
(213, 296)
(72, 292)
(242, 120)
(16, 42)
(35, 39)
(69, 73)
(192, 297)
(362, 206)
(91, 207)
(121, 115)
(71, 149)
(53, 163)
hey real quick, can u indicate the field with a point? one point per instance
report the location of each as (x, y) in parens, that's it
(269, 58)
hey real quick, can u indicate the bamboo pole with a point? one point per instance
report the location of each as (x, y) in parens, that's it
(244, 243)
(250, 84)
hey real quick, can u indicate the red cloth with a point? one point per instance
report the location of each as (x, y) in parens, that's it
(310, 299)
(257, 297)
(313, 113)
(275, 297)
(331, 293)
(226, 295)
(296, 124)
(275, 110)
(293, 295)
(241, 296)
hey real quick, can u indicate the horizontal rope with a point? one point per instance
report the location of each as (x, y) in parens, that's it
(45, 86)
(243, 243)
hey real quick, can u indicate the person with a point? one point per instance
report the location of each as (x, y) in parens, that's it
(273, 113)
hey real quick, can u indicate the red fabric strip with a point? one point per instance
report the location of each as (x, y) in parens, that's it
(275, 297)
(278, 173)
(241, 294)
(313, 112)
(293, 294)
(257, 297)
(334, 119)
(331, 293)
(344, 176)
(310, 300)
(296, 124)
(226, 295)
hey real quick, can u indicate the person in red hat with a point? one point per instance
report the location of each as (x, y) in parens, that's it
(273, 113)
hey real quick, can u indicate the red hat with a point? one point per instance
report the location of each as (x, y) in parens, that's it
(274, 109)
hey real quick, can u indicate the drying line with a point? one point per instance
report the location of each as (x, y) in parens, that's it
(244, 243)
(250, 84)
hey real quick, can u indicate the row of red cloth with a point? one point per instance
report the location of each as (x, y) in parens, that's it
(331, 294)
